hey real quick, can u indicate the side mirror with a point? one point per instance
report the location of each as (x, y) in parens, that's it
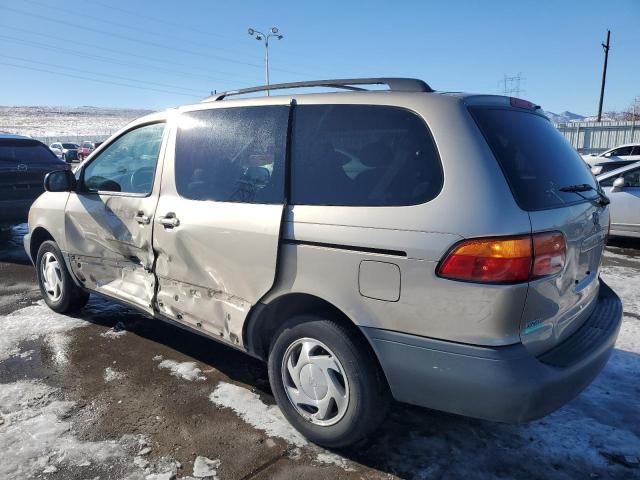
(618, 184)
(60, 181)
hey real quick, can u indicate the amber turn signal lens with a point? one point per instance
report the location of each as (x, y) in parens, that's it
(505, 259)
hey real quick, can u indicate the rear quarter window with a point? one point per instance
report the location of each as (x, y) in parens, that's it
(535, 158)
(362, 155)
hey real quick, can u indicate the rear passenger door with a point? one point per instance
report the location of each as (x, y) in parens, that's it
(218, 220)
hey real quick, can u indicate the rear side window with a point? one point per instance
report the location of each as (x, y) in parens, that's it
(362, 155)
(232, 154)
(535, 158)
(26, 151)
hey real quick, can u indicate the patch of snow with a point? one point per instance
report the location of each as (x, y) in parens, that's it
(330, 458)
(32, 322)
(205, 467)
(185, 370)
(112, 333)
(625, 281)
(158, 358)
(36, 437)
(110, 375)
(269, 419)
(254, 411)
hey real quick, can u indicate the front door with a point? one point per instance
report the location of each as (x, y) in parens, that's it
(218, 220)
(109, 220)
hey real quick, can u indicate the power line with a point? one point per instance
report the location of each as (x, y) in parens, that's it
(147, 42)
(101, 58)
(139, 87)
(210, 77)
(102, 74)
(135, 40)
(136, 27)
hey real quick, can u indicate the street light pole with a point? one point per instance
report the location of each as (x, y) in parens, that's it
(273, 32)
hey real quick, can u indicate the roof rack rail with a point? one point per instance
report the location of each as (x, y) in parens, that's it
(394, 84)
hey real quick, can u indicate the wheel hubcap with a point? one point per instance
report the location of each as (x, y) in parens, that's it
(315, 382)
(51, 276)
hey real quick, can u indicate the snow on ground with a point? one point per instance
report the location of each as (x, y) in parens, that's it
(111, 375)
(32, 322)
(267, 418)
(85, 122)
(35, 435)
(185, 370)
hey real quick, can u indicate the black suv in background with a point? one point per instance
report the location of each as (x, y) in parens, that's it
(23, 164)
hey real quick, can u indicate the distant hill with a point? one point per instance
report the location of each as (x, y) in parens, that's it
(44, 121)
(565, 117)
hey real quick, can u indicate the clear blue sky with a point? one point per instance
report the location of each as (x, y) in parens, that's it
(177, 51)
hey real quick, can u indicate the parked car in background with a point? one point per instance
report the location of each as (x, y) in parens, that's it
(85, 150)
(23, 164)
(608, 166)
(97, 144)
(626, 152)
(622, 186)
(317, 232)
(65, 151)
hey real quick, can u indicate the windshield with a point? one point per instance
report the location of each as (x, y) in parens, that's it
(26, 151)
(535, 158)
(69, 145)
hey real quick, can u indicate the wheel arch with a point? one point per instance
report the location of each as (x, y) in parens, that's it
(265, 319)
(38, 237)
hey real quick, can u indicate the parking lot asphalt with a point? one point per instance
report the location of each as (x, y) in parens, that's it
(110, 394)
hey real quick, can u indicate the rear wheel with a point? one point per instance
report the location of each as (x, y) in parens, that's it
(58, 289)
(327, 382)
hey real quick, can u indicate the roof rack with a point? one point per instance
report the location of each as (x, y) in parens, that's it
(394, 84)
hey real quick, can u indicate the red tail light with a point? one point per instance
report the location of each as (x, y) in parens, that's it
(505, 259)
(549, 254)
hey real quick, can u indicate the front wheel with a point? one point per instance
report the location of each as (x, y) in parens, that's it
(60, 293)
(327, 381)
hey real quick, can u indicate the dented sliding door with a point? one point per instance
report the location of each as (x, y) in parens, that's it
(218, 220)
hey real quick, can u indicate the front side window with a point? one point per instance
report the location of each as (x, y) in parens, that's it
(620, 152)
(362, 155)
(128, 164)
(232, 154)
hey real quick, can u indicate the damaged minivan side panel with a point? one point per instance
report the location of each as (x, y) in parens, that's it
(108, 220)
(218, 220)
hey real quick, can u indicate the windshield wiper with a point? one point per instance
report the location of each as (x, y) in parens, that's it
(603, 200)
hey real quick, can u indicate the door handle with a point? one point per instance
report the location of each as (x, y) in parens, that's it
(143, 219)
(169, 220)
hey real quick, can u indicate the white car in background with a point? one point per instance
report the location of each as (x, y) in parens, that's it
(628, 151)
(622, 186)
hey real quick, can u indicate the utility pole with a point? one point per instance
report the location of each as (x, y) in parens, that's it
(273, 32)
(604, 74)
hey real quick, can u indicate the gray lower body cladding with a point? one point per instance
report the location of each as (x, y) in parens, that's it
(504, 384)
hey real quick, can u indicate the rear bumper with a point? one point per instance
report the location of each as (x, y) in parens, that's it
(504, 384)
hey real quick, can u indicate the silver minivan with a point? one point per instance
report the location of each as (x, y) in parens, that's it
(439, 249)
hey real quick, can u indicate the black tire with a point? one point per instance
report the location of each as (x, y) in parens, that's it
(71, 297)
(368, 399)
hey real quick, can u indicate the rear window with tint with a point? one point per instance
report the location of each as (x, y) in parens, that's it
(232, 154)
(362, 155)
(535, 158)
(26, 151)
